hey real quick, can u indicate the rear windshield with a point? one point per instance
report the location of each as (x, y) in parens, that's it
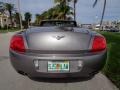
(58, 23)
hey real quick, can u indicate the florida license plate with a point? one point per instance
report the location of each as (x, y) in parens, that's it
(58, 66)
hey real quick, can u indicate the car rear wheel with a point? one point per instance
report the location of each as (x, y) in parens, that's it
(22, 73)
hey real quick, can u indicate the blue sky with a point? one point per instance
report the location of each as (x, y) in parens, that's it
(85, 12)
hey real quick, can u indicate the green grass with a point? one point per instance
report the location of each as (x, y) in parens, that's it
(112, 67)
(9, 30)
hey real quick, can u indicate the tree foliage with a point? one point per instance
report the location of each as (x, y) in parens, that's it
(61, 11)
(2, 9)
(103, 11)
(9, 8)
(16, 17)
(28, 17)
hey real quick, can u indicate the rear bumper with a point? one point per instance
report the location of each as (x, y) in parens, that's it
(91, 64)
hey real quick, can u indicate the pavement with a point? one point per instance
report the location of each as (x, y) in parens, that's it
(11, 80)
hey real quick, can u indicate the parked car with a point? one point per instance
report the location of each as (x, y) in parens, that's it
(113, 30)
(58, 49)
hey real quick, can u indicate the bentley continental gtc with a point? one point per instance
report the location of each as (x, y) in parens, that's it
(58, 49)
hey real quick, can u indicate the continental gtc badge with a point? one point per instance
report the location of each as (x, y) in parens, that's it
(58, 37)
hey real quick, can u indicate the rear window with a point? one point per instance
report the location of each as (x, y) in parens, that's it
(58, 23)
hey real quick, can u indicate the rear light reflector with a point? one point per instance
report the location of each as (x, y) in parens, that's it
(99, 44)
(17, 44)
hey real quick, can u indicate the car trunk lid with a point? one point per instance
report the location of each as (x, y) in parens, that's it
(51, 41)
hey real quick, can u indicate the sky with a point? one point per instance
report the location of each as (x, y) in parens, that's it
(84, 11)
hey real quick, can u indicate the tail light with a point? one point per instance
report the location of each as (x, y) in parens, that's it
(17, 44)
(99, 44)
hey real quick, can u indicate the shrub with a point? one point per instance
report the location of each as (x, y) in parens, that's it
(112, 67)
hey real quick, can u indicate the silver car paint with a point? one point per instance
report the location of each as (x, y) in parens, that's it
(74, 47)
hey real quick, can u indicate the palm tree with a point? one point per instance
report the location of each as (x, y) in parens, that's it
(61, 1)
(75, 1)
(103, 12)
(59, 11)
(37, 18)
(62, 8)
(28, 17)
(17, 16)
(2, 9)
(9, 7)
(1, 13)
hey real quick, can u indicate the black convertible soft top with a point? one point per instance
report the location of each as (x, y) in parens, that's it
(58, 23)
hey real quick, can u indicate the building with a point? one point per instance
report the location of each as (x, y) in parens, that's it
(106, 25)
(4, 20)
(88, 26)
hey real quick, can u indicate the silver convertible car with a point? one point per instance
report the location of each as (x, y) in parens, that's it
(58, 49)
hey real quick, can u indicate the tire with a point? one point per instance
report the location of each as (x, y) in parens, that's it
(22, 73)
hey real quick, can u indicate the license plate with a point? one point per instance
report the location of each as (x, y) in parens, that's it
(58, 66)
